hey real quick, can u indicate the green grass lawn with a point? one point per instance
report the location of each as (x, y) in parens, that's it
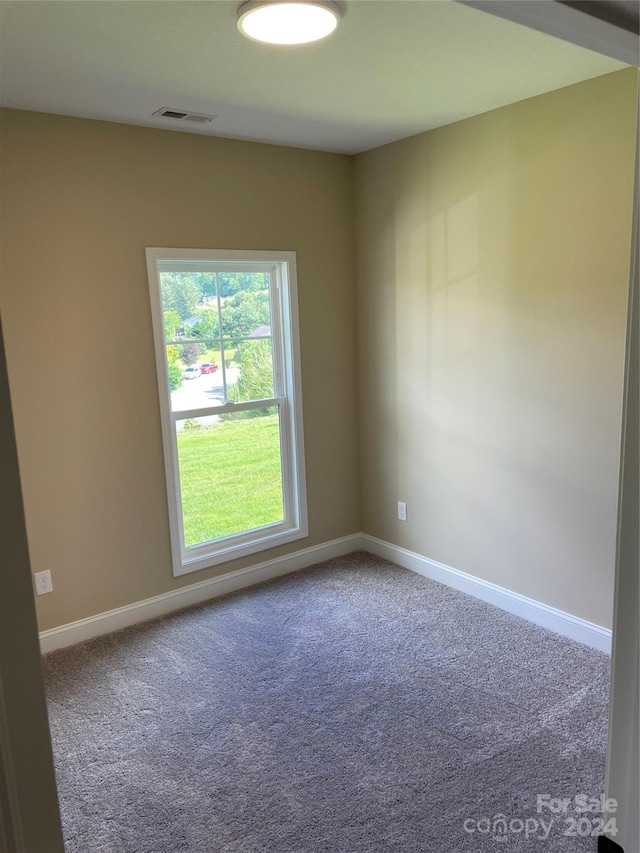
(230, 477)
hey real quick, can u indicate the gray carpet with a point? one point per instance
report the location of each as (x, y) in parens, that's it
(350, 708)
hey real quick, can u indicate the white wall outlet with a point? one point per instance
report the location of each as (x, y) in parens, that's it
(402, 511)
(43, 581)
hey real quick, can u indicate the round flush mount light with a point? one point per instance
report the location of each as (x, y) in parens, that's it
(288, 21)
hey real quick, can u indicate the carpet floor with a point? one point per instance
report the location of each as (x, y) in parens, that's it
(351, 708)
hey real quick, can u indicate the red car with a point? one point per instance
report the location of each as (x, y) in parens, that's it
(208, 367)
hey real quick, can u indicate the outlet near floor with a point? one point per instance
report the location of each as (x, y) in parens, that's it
(402, 511)
(43, 582)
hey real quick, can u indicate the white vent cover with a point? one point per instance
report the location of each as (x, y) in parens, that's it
(183, 115)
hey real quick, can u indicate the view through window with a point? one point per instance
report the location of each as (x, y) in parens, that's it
(227, 373)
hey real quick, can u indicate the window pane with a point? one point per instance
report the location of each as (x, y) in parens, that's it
(195, 378)
(250, 376)
(230, 473)
(223, 326)
(189, 305)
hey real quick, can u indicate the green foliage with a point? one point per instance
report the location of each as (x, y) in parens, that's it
(173, 353)
(181, 292)
(175, 375)
(207, 281)
(172, 321)
(244, 303)
(256, 378)
(234, 282)
(243, 313)
(208, 327)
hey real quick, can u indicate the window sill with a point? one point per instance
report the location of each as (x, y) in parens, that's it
(224, 554)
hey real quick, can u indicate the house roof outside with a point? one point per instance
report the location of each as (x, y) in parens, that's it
(263, 331)
(190, 322)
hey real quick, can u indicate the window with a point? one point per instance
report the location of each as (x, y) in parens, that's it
(226, 336)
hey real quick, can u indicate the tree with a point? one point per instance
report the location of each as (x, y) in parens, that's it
(173, 368)
(207, 281)
(175, 375)
(233, 282)
(256, 377)
(244, 304)
(208, 326)
(190, 352)
(173, 353)
(244, 313)
(181, 292)
(171, 323)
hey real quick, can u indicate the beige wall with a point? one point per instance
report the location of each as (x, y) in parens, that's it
(29, 815)
(80, 201)
(493, 261)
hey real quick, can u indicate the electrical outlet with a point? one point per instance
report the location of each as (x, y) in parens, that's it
(402, 511)
(43, 581)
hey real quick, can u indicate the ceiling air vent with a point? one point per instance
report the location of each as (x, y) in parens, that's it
(182, 115)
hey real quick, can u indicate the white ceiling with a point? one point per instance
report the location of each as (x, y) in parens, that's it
(392, 69)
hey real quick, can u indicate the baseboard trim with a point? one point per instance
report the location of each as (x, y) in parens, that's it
(527, 608)
(160, 605)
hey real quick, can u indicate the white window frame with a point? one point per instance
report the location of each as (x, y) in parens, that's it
(287, 398)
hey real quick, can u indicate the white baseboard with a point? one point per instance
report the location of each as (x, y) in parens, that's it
(527, 608)
(159, 605)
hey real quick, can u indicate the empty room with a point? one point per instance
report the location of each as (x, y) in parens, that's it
(319, 492)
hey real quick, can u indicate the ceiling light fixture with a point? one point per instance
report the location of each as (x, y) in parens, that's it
(288, 21)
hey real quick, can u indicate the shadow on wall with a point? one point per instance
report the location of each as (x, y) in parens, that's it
(493, 261)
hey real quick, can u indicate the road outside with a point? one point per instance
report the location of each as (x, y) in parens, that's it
(201, 393)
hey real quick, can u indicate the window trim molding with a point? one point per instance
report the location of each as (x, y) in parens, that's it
(295, 524)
